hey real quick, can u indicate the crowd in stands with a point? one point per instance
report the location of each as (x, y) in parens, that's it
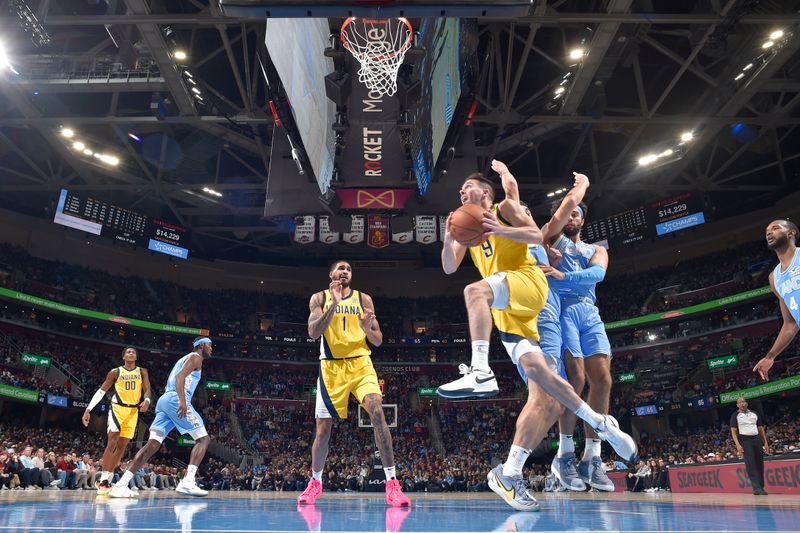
(737, 269)
(246, 314)
(665, 373)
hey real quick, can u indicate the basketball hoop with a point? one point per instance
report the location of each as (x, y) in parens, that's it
(379, 45)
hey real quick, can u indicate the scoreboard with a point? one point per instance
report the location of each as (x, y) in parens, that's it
(98, 217)
(623, 228)
(652, 220)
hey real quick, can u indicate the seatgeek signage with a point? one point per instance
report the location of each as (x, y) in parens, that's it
(781, 476)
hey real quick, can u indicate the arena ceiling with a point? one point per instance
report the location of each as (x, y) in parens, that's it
(653, 71)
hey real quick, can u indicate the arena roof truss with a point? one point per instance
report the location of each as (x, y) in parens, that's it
(650, 70)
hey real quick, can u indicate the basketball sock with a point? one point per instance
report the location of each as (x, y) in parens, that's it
(105, 476)
(125, 479)
(592, 449)
(517, 456)
(589, 415)
(480, 355)
(390, 472)
(566, 444)
(317, 475)
(191, 470)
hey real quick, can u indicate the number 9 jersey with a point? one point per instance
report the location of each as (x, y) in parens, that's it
(344, 337)
(787, 284)
(527, 285)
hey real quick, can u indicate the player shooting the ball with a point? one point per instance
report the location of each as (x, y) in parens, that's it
(512, 293)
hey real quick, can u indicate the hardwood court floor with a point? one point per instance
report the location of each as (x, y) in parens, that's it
(260, 512)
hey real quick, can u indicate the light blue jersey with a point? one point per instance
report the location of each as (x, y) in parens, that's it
(167, 416)
(582, 330)
(191, 380)
(548, 322)
(787, 283)
(575, 258)
(552, 307)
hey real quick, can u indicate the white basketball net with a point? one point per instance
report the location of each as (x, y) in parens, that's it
(379, 46)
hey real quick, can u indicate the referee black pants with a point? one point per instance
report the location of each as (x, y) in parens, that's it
(753, 459)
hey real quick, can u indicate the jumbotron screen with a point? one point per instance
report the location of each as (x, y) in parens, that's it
(98, 217)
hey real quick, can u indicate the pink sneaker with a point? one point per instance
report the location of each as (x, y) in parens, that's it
(312, 492)
(395, 496)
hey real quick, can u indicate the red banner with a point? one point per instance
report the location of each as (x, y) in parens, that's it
(378, 199)
(782, 476)
(377, 231)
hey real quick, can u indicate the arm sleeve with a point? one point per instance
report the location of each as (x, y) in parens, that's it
(97, 398)
(589, 276)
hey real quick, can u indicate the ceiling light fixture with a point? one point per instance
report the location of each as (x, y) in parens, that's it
(577, 53)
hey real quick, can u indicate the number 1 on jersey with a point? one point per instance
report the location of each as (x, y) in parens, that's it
(344, 323)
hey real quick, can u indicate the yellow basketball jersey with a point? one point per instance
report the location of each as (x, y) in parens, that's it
(501, 255)
(344, 337)
(128, 387)
(526, 282)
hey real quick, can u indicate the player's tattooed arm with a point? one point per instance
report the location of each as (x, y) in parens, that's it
(318, 321)
(369, 323)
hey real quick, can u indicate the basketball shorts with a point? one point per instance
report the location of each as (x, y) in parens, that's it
(123, 420)
(582, 330)
(167, 419)
(550, 344)
(518, 297)
(338, 379)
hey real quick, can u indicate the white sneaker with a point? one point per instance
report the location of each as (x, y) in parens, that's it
(121, 492)
(622, 443)
(134, 490)
(479, 383)
(190, 488)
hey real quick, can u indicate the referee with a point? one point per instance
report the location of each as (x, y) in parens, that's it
(746, 428)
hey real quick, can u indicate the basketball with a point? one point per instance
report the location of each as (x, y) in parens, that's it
(466, 225)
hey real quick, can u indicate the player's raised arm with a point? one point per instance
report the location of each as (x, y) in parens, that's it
(786, 335)
(519, 225)
(507, 179)
(369, 323)
(317, 320)
(111, 377)
(453, 252)
(556, 224)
